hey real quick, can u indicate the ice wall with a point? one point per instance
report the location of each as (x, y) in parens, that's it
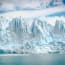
(32, 36)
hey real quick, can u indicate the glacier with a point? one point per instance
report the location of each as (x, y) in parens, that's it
(18, 5)
(32, 35)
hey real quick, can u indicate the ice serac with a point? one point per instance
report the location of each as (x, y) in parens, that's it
(59, 30)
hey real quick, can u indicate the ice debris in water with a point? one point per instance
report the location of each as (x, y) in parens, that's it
(31, 36)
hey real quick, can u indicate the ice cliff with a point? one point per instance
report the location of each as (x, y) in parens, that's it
(31, 36)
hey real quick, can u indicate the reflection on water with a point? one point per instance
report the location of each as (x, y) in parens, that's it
(32, 60)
